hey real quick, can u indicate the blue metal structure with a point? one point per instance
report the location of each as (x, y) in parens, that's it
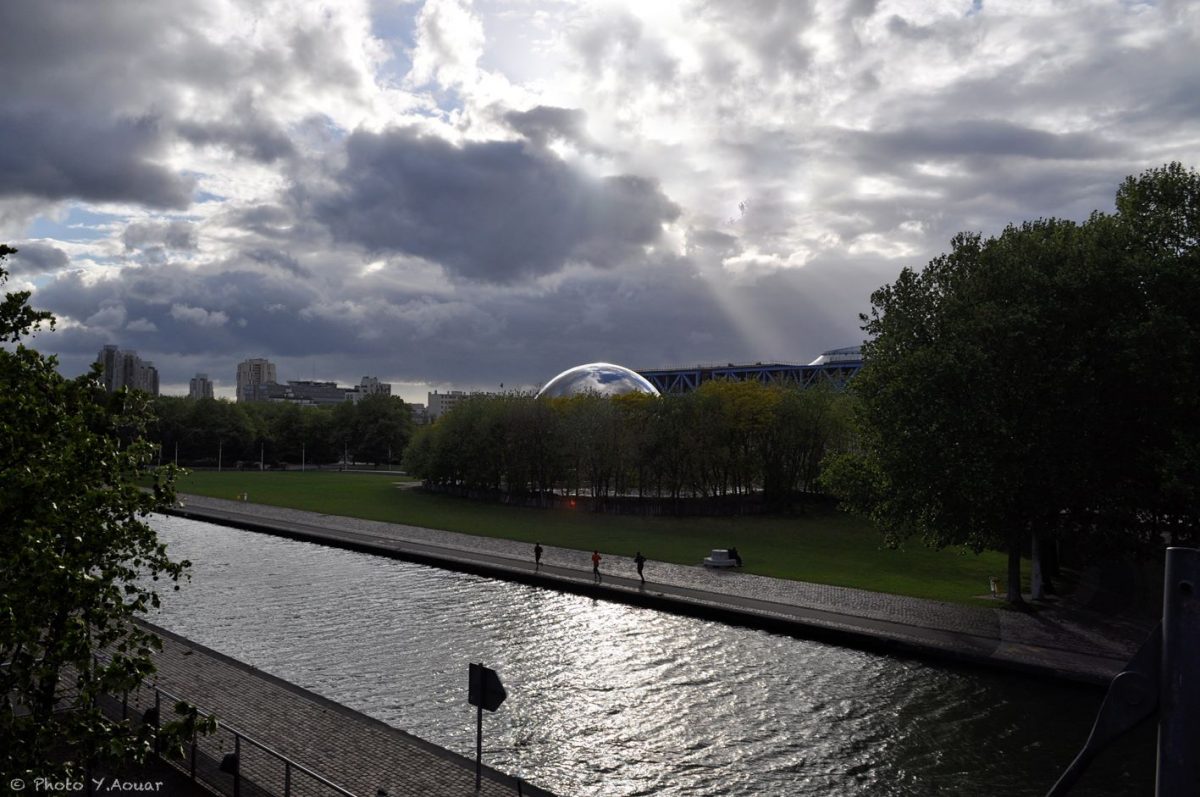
(834, 367)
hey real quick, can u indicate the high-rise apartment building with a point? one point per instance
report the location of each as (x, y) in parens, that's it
(201, 387)
(109, 358)
(253, 376)
(147, 378)
(126, 369)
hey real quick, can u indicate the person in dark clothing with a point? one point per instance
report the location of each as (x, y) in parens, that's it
(596, 565)
(537, 556)
(737, 557)
(640, 561)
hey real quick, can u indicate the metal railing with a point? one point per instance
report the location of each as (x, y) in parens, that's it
(250, 769)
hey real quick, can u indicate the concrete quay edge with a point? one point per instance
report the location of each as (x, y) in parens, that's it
(874, 635)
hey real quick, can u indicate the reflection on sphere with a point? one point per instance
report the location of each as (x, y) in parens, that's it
(604, 379)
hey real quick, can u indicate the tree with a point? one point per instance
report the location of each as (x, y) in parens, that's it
(1158, 219)
(78, 562)
(221, 432)
(383, 426)
(1013, 391)
(963, 394)
(806, 426)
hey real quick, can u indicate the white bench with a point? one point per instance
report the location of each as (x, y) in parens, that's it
(719, 557)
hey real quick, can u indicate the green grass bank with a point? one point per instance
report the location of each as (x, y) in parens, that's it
(825, 547)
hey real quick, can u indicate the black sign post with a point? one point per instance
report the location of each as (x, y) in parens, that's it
(484, 691)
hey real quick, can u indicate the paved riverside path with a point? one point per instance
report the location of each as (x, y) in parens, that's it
(352, 750)
(1067, 640)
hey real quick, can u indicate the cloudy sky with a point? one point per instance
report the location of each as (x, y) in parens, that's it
(448, 194)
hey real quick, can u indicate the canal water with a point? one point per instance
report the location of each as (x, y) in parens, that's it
(608, 699)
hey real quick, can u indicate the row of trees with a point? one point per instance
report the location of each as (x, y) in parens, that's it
(1040, 385)
(725, 439)
(203, 432)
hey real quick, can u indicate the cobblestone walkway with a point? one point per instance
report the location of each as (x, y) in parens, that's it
(1068, 638)
(352, 750)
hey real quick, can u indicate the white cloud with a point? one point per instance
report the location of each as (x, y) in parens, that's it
(110, 316)
(198, 315)
(449, 43)
(190, 158)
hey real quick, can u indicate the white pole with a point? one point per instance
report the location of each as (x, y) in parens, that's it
(220, 444)
(261, 448)
(302, 457)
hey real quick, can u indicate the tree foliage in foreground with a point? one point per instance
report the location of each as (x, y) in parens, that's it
(1039, 385)
(75, 554)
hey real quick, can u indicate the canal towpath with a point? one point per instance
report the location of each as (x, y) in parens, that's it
(1087, 638)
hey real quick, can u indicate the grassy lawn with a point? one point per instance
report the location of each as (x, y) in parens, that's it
(825, 547)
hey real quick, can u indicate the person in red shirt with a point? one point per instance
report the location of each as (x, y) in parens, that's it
(596, 566)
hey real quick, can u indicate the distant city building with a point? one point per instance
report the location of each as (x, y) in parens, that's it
(441, 403)
(109, 358)
(834, 367)
(438, 404)
(369, 386)
(419, 415)
(308, 392)
(201, 387)
(253, 376)
(126, 369)
(257, 380)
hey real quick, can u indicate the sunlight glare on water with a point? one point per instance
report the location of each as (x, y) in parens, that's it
(607, 699)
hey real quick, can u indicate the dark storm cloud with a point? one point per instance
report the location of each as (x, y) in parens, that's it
(59, 156)
(179, 235)
(980, 137)
(544, 124)
(494, 211)
(480, 334)
(270, 221)
(36, 258)
(184, 312)
(255, 139)
(984, 195)
(96, 92)
(658, 317)
(279, 260)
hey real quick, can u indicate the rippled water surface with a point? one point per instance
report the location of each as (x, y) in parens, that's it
(606, 699)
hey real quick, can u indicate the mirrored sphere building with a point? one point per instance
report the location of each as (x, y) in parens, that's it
(603, 379)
